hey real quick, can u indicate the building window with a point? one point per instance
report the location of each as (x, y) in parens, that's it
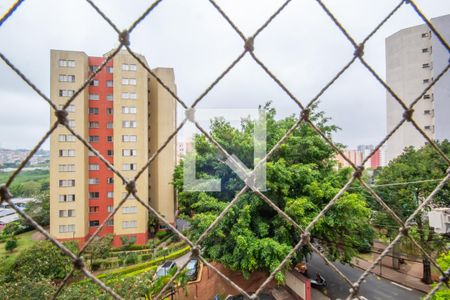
(109, 70)
(66, 168)
(94, 195)
(66, 153)
(94, 223)
(110, 222)
(129, 95)
(93, 97)
(93, 110)
(426, 34)
(110, 195)
(129, 224)
(129, 152)
(427, 112)
(66, 228)
(71, 123)
(129, 81)
(93, 68)
(110, 152)
(66, 182)
(66, 63)
(109, 83)
(93, 209)
(93, 181)
(67, 198)
(129, 67)
(94, 167)
(70, 108)
(93, 82)
(93, 125)
(128, 109)
(426, 66)
(426, 96)
(129, 167)
(109, 111)
(109, 138)
(128, 124)
(110, 208)
(109, 97)
(66, 93)
(129, 138)
(426, 80)
(66, 138)
(109, 125)
(129, 209)
(425, 50)
(110, 180)
(66, 78)
(93, 138)
(67, 213)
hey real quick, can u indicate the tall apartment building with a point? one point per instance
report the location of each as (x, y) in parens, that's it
(414, 57)
(125, 115)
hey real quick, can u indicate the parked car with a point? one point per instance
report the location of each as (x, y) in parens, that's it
(164, 269)
(192, 269)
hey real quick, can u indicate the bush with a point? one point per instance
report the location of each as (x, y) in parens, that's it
(11, 245)
(95, 265)
(131, 259)
(162, 234)
(146, 257)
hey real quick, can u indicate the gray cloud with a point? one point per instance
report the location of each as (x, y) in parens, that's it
(302, 47)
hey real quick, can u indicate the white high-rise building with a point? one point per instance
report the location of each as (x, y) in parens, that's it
(414, 57)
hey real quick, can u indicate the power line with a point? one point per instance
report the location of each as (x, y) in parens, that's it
(405, 183)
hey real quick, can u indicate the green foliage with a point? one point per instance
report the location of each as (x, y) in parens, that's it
(444, 292)
(11, 228)
(301, 180)
(161, 234)
(99, 248)
(127, 241)
(41, 261)
(131, 258)
(27, 183)
(39, 210)
(413, 165)
(10, 245)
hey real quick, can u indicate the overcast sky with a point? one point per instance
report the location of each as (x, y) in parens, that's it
(301, 46)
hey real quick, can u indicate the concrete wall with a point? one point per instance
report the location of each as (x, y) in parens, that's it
(80, 160)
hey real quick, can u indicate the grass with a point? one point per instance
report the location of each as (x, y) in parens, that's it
(24, 241)
(24, 176)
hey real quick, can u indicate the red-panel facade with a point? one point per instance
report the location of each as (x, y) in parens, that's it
(101, 187)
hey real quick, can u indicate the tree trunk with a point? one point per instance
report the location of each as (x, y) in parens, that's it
(426, 273)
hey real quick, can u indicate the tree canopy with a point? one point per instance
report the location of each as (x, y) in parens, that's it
(415, 167)
(301, 180)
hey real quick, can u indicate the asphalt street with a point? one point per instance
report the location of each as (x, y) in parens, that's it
(373, 288)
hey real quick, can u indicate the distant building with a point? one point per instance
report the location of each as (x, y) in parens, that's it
(414, 57)
(358, 156)
(183, 148)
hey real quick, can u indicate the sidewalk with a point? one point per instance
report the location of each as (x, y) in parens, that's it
(391, 274)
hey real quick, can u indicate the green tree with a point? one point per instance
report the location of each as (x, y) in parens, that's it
(99, 248)
(414, 165)
(39, 210)
(301, 180)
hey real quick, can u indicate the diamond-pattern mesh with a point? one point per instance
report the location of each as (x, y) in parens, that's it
(248, 45)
